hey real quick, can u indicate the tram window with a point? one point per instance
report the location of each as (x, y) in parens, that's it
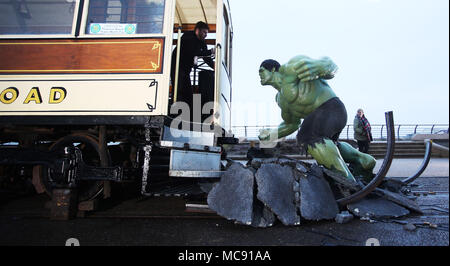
(226, 39)
(119, 17)
(19, 17)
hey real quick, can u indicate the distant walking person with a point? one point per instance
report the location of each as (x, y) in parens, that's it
(363, 133)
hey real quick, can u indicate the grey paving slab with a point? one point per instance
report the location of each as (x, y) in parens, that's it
(262, 216)
(378, 208)
(232, 197)
(275, 184)
(317, 201)
(399, 199)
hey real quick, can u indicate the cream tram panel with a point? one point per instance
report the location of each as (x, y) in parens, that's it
(84, 97)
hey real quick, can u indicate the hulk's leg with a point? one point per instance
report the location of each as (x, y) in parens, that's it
(362, 163)
(327, 154)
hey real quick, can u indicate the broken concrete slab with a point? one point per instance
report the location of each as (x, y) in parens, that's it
(317, 201)
(340, 179)
(283, 160)
(275, 184)
(316, 170)
(262, 216)
(301, 168)
(343, 217)
(377, 208)
(257, 162)
(399, 199)
(232, 197)
(291, 190)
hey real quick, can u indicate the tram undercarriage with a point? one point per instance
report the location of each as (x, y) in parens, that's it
(88, 162)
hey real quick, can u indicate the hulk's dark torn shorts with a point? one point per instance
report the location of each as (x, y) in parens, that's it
(327, 121)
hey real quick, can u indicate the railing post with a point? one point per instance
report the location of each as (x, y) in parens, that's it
(409, 130)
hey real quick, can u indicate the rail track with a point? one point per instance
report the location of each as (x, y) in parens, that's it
(161, 207)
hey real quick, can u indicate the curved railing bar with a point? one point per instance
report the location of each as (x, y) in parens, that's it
(384, 167)
(426, 160)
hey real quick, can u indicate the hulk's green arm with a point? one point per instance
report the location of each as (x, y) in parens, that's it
(285, 129)
(308, 69)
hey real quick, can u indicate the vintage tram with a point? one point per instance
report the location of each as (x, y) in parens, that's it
(86, 98)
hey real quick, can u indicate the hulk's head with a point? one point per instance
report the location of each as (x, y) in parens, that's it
(267, 69)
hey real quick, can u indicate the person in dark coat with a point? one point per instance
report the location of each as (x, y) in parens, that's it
(192, 44)
(363, 133)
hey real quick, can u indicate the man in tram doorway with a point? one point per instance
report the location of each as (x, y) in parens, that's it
(192, 44)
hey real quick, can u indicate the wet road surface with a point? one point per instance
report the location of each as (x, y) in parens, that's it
(165, 222)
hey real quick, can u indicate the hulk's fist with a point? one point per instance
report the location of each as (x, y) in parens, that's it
(308, 69)
(264, 134)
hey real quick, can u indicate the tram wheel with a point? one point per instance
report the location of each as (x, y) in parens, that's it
(93, 155)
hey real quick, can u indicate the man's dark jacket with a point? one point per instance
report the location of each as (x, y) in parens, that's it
(191, 46)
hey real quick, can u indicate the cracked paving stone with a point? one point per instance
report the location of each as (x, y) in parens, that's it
(232, 197)
(317, 201)
(378, 208)
(340, 179)
(262, 216)
(399, 199)
(301, 168)
(275, 184)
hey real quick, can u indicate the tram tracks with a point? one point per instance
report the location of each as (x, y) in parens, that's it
(432, 198)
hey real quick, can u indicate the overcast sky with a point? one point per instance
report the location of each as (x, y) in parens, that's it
(393, 55)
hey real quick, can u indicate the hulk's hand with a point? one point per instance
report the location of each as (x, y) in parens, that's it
(264, 134)
(308, 69)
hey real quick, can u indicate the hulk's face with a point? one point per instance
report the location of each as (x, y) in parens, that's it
(265, 76)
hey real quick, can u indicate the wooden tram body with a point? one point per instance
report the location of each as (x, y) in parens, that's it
(86, 95)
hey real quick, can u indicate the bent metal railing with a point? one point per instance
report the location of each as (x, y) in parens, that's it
(426, 160)
(379, 132)
(383, 169)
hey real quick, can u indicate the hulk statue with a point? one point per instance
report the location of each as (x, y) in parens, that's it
(304, 94)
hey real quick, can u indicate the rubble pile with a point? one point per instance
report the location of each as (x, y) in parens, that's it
(291, 191)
